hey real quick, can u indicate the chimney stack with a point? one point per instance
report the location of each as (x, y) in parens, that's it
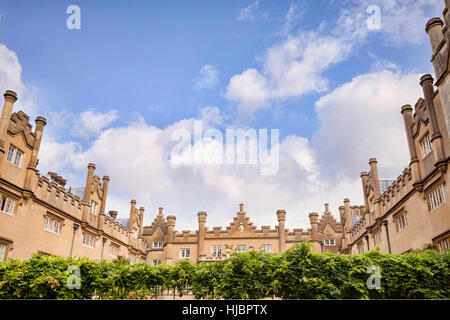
(434, 31)
(113, 214)
(10, 98)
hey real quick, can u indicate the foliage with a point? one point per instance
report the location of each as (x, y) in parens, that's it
(296, 273)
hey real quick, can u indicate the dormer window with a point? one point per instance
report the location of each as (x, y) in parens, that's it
(329, 242)
(93, 207)
(158, 244)
(426, 145)
(14, 156)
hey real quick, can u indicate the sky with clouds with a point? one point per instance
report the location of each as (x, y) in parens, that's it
(115, 92)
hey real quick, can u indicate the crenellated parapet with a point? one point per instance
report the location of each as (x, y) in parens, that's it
(398, 189)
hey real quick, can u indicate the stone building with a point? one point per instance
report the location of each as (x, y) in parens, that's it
(38, 214)
(203, 245)
(412, 211)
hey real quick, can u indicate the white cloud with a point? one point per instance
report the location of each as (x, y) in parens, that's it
(291, 69)
(250, 13)
(11, 79)
(361, 119)
(295, 66)
(89, 123)
(208, 77)
(402, 22)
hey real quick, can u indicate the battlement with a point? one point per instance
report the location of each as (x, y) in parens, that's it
(400, 187)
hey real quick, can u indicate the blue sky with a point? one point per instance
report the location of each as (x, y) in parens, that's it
(139, 63)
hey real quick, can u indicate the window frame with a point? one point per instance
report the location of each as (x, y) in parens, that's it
(91, 240)
(55, 224)
(436, 195)
(115, 252)
(241, 246)
(13, 159)
(156, 262)
(426, 145)
(216, 250)
(266, 245)
(158, 244)
(93, 209)
(185, 253)
(3, 248)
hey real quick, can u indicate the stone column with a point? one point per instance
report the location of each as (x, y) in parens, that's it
(201, 234)
(281, 215)
(10, 98)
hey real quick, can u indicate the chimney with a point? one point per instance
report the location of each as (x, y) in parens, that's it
(38, 131)
(113, 214)
(10, 98)
(374, 171)
(105, 193)
(434, 31)
(141, 220)
(409, 121)
(281, 215)
(132, 214)
(89, 180)
(314, 221)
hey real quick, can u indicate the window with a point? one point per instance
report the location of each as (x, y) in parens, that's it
(93, 207)
(88, 240)
(2, 252)
(156, 262)
(402, 222)
(329, 242)
(157, 244)
(52, 224)
(14, 156)
(7, 205)
(217, 251)
(113, 250)
(426, 145)
(266, 248)
(377, 238)
(444, 245)
(436, 197)
(361, 249)
(132, 259)
(185, 253)
(241, 248)
(134, 234)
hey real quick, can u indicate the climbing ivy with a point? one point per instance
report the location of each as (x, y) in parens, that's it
(296, 273)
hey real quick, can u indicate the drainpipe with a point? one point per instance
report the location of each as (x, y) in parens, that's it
(321, 246)
(103, 247)
(75, 228)
(367, 239)
(385, 223)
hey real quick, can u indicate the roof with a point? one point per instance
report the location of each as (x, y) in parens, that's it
(124, 222)
(79, 192)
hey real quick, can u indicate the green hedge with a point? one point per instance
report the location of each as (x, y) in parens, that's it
(294, 274)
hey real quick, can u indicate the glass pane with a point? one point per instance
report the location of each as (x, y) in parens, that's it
(18, 158)
(10, 153)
